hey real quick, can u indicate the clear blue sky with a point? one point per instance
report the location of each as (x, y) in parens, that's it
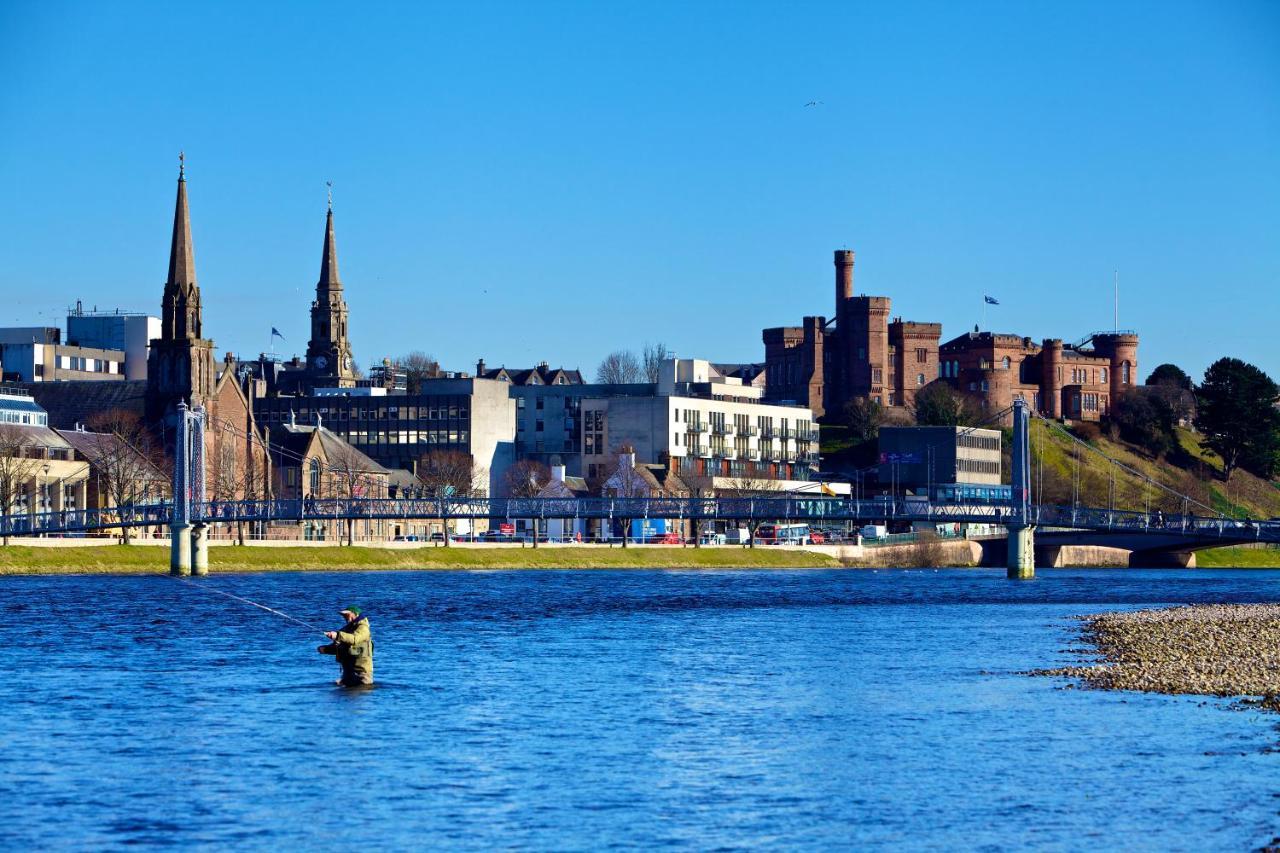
(536, 180)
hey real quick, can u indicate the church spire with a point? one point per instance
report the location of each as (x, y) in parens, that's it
(180, 310)
(329, 259)
(182, 261)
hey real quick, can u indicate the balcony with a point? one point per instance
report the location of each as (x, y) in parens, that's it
(724, 453)
(815, 435)
(753, 455)
(699, 450)
(748, 431)
(786, 434)
(769, 432)
(697, 427)
(722, 429)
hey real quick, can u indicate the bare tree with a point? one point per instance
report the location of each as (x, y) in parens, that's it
(20, 458)
(526, 478)
(123, 455)
(653, 356)
(620, 367)
(353, 476)
(624, 480)
(445, 472)
(749, 484)
(418, 366)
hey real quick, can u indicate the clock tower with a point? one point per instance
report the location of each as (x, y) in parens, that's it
(329, 361)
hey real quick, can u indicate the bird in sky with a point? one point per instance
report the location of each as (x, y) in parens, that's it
(814, 104)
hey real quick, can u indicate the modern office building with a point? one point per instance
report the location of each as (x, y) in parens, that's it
(942, 462)
(129, 333)
(474, 416)
(38, 354)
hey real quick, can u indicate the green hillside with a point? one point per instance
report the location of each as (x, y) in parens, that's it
(1062, 470)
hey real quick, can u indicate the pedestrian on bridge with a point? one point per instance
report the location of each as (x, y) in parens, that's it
(353, 647)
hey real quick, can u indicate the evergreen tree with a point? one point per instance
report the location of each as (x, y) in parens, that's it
(1170, 375)
(1238, 417)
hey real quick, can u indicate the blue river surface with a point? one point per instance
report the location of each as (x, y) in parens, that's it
(583, 710)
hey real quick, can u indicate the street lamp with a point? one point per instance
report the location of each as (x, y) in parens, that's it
(44, 507)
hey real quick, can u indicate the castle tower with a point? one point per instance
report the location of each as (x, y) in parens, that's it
(1122, 350)
(180, 367)
(329, 362)
(1051, 379)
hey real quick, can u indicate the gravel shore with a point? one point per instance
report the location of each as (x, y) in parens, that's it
(1214, 649)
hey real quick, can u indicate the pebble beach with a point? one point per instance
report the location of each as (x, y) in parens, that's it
(1214, 649)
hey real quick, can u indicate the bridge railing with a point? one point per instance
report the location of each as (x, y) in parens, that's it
(743, 510)
(84, 520)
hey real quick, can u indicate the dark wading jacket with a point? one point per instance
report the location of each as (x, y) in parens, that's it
(353, 647)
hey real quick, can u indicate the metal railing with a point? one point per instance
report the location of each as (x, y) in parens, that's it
(1046, 518)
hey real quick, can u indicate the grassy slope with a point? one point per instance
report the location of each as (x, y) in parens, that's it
(143, 559)
(1197, 474)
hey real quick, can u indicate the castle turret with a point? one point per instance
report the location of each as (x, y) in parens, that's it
(1121, 348)
(844, 274)
(1051, 378)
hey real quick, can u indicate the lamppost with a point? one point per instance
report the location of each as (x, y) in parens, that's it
(44, 506)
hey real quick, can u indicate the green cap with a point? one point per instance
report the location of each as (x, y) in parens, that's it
(353, 610)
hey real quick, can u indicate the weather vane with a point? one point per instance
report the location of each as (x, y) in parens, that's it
(182, 163)
(329, 184)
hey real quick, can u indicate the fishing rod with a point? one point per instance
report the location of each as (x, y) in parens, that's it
(247, 601)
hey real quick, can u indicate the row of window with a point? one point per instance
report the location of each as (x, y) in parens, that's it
(88, 365)
(978, 442)
(24, 418)
(977, 466)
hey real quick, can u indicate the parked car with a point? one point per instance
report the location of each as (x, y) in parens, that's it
(664, 539)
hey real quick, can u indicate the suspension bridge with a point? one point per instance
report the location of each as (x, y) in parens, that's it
(1154, 538)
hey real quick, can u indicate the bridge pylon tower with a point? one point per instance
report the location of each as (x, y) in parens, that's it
(1022, 540)
(188, 545)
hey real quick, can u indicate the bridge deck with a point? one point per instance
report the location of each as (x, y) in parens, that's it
(825, 510)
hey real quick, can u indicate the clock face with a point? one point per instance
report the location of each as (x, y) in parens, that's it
(346, 362)
(321, 362)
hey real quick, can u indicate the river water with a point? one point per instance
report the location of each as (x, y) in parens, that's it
(584, 710)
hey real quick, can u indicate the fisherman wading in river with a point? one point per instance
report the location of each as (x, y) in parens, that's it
(353, 647)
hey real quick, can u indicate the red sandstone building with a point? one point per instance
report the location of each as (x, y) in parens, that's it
(862, 353)
(1076, 381)
(858, 353)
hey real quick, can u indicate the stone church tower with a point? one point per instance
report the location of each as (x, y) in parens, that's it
(180, 367)
(329, 362)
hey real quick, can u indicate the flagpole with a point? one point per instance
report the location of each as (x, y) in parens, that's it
(1117, 302)
(984, 311)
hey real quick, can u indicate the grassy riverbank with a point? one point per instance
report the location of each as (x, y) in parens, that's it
(139, 559)
(1238, 558)
(1214, 649)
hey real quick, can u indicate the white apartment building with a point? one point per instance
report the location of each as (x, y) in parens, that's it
(710, 429)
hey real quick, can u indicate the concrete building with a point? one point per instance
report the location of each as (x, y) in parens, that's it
(1077, 381)
(859, 353)
(942, 462)
(474, 416)
(38, 354)
(130, 333)
(711, 431)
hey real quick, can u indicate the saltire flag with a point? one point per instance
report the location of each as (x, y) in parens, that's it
(275, 333)
(990, 300)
